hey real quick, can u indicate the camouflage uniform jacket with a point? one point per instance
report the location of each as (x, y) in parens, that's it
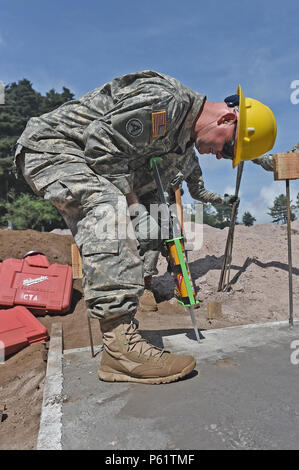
(118, 127)
(265, 161)
(295, 148)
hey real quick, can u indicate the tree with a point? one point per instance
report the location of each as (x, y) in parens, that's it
(248, 219)
(223, 215)
(209, 215)
(26, 211)
(53, 100)
(21, 103)
(278, 211)
(217, 215)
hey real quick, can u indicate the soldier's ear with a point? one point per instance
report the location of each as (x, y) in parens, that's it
(227, 118)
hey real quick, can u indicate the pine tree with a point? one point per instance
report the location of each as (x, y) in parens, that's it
(248, 219)
(27, 211)
(223, 215)
(209, 215)
(278, 211)
(21, 103)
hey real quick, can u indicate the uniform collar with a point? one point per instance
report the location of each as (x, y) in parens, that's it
(184, 137)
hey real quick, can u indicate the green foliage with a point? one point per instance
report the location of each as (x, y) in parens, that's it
(223, 214)
(26, 211)
(209, 215)
(53, 100)
(248, 219)
(278, 211)
(21, 103)
(217, 215)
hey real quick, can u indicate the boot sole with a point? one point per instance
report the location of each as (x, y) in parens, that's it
(115, 377)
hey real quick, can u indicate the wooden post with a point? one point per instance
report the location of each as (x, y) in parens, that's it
(76, 262)
(286, 167)
(227, 259)
(291, 319)
(214, 310)
(179, 206)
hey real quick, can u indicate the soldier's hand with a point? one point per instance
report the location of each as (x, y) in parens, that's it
(177, 181)
(163, 250)
(147, 232)
(230, 199)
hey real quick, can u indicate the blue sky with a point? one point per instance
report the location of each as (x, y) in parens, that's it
(210, 46)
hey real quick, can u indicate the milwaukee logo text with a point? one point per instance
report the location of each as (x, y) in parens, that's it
(29, 282)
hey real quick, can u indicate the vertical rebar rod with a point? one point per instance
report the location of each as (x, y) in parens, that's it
(90, 336)
(291, 320)
(227, 259)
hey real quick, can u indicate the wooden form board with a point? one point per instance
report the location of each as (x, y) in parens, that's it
(76, 262)
(214, 310)
(286, 166)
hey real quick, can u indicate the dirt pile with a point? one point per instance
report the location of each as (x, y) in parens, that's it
(259, 293)
(21, 389)
(259, 274)
(16, 243)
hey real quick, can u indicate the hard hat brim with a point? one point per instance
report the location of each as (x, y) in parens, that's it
(240, 128)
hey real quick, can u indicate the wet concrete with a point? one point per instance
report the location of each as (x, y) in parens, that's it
(242, 395)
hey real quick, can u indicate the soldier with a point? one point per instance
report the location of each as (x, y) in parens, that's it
(190, 172)
(90, 157)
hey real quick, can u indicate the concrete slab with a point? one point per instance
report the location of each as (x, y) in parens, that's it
(245, 396)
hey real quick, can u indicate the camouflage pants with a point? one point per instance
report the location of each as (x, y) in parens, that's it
(112, 267)
(150, 263)
(150, 257)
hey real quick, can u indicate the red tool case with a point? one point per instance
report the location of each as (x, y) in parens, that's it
(34, 283)
(19, 328)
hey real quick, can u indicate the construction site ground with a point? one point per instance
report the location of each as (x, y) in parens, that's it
(259, 294)
(242, 395)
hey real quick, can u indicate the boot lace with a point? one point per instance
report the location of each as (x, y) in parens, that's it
(135, 342)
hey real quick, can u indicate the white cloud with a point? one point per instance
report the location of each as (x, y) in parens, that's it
(231, 190)
(259, 207)
(270, 192)
(256, 208)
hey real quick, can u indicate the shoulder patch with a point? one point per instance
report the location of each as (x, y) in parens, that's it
(134, 127)
(159, 123)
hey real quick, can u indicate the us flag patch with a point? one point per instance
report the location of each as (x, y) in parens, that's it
(159, 123)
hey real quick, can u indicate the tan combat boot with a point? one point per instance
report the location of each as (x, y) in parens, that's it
(147, 302)
(127, 357)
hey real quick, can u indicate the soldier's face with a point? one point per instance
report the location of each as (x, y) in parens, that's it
(212, 137)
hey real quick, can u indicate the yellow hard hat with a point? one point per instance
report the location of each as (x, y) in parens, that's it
(256, 131)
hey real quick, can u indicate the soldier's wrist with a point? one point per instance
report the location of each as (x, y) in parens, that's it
(132, 199)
